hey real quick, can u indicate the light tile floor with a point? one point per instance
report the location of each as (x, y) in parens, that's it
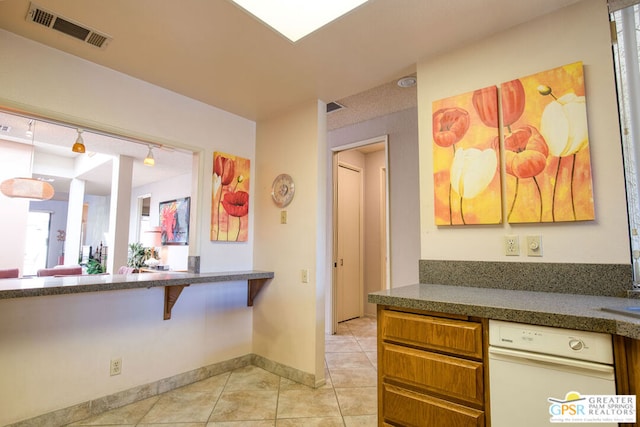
(253, 397)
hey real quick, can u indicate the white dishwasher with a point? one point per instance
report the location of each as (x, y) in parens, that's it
(530, 367)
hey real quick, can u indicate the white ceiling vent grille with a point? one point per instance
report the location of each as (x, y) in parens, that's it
(49, 19)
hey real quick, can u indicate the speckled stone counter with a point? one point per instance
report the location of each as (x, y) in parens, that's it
(41, 286)
(582, 312)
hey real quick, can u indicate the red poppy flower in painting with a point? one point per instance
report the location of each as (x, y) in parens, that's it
(236, 204)
(485, 102)
(449, 126)
(513, 100)
(224, 168)
(526, 152)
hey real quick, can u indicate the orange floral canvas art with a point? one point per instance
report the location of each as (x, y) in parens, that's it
(230, 198)
(547, 158)
(466, 159)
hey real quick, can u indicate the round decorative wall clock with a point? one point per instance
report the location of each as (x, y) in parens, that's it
(282, 190)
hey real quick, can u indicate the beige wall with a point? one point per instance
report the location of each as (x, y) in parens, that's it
(577, 33)
(55, 351)
(288, 319)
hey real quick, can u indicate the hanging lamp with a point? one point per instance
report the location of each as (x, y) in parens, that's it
(27, 188)
(149, 160)
(78, 146)
(29, 132)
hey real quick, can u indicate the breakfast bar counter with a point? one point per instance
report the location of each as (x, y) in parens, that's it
(173, 282)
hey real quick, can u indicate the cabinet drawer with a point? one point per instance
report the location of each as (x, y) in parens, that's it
(456, 378)
(408, 408)
(451, 336)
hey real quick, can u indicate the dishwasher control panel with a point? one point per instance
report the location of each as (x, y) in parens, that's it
(582, 345)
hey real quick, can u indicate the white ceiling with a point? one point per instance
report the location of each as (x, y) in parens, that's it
(213, 51)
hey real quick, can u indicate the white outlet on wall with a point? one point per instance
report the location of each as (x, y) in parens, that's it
(511, 245)
(115, 367)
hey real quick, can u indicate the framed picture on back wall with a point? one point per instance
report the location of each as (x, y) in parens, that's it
(174, 221)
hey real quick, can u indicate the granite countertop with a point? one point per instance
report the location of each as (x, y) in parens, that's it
(41, 286)
(582, 312)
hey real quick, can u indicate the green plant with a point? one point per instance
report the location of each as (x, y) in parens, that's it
(94, 266)
(138, 254)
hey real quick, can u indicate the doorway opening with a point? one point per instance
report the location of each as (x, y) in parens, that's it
(37, 243)
(360, 228)
(143, 214)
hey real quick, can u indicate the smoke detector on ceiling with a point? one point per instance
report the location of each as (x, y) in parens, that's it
(66, 26)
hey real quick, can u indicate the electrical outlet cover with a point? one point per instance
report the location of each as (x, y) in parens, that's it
(115, 367)
(511, 245)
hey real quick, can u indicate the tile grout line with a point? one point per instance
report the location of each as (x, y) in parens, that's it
(217, 400)
(275, 417)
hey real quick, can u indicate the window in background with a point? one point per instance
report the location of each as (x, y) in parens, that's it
(626, 50)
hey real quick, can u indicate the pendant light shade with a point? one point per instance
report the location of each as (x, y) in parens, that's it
(29, 132)
(149, 160)
(78, 147)
(27, 188)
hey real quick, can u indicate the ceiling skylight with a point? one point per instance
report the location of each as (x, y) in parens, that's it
(295, 19)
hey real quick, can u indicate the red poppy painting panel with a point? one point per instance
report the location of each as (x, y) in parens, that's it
(230, 198)
(546, 143)
(466, 159)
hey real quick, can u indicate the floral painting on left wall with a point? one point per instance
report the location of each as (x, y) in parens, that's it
(230, 198)
(466, 159)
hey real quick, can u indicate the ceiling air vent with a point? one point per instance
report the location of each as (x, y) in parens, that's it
(334, 106)
(56, 22)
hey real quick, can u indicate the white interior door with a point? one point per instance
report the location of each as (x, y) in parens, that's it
(349, 260)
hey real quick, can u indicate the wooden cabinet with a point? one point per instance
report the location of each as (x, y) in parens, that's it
(627, 364)
(430, 369)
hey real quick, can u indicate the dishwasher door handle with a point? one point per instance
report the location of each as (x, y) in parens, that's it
(545, 359)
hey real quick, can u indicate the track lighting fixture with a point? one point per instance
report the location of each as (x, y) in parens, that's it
(78, 147)
(29, 132)
(149, 160)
